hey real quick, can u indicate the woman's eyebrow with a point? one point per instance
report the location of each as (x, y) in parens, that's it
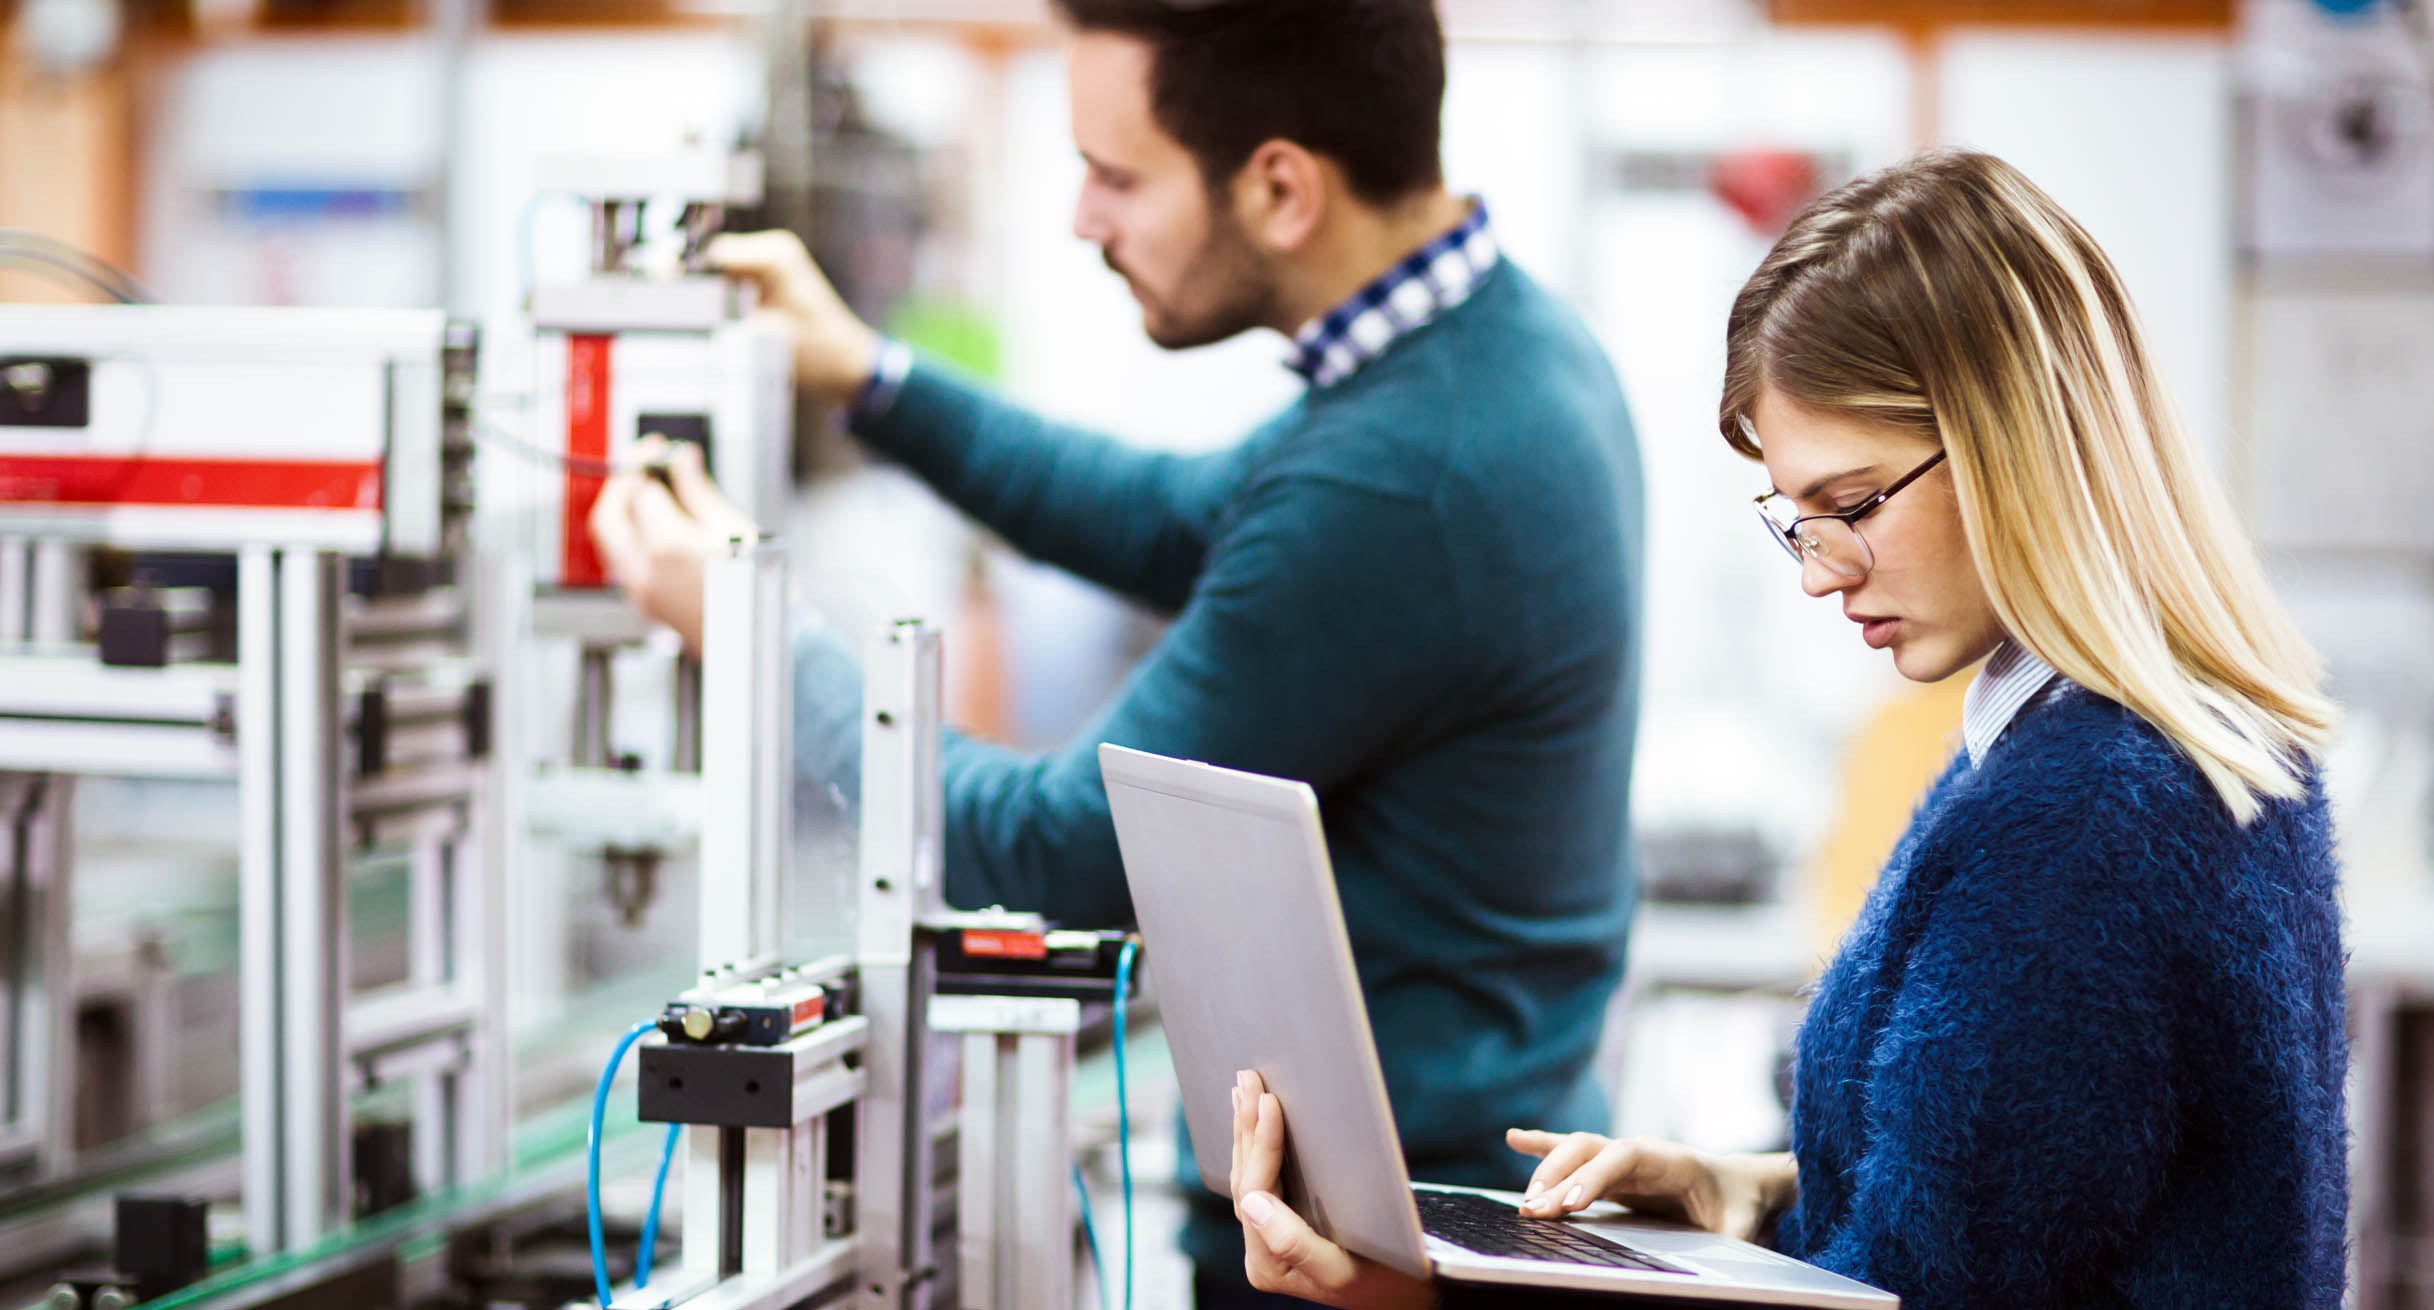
(1819, 485)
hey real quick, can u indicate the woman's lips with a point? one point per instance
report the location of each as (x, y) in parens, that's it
(1878, 633)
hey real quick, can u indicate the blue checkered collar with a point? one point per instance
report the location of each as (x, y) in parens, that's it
(1424, 285)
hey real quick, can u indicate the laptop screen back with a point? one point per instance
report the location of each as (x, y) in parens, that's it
(1245, 941)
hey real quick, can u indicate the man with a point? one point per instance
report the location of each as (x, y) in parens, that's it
(1416, 588)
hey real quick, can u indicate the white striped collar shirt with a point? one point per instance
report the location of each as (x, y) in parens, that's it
(2011, 680)
(1419, 289)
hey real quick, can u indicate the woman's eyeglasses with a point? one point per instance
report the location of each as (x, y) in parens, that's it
(1832, 539)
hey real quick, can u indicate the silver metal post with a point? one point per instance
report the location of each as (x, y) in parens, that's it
(901, 836)
(41, 1084)
(21, 973)
(747, 756)
(56, 592)
(499, 602)
(16, 587)
(1014, 1205)
(156, 1029)
(427, 887)
(312, 902)
(684, 750)
(747, 770)
(260, 1032)
(595, 697)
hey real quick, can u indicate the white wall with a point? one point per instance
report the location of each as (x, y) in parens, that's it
(365, 111)
(1750, 685)
(327, 112)
(2132, 135)
(530, 96)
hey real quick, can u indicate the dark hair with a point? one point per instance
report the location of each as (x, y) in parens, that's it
(1361, 82)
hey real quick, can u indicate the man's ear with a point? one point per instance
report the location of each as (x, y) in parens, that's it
(1281, 196)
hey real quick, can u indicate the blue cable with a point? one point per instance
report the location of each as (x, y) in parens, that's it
(1124, 1108)
(650, 1218)
(591, 1193)
(1090, 1234)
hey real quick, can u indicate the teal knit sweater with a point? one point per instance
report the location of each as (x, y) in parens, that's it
(1416, 590)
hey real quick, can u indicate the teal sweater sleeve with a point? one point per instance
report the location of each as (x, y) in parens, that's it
(1285, 619)
(1132, 520)
(1416, 589)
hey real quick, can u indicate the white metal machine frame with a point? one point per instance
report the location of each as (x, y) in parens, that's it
(798, 1236)
(294, 440)
(617, 354)
(762, 1231)
(1014, 1205)
(291, 439)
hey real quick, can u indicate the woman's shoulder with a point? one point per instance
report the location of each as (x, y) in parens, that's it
(2092, 755)
(2073, 733)
(2086, 789)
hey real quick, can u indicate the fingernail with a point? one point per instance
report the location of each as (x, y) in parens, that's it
(1258, 1208)
(1237, 1093)
(1573, 1198)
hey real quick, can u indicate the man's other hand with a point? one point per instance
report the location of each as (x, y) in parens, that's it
(656, 537)
(834, 352)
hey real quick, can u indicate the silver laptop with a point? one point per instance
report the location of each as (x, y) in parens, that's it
(1246, 940)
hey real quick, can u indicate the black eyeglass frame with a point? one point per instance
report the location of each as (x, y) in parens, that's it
(1787, 535)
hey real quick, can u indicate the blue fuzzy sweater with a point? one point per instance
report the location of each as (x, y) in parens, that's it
(2085, 1045)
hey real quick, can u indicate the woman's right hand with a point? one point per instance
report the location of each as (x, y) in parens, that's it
(1281, 1253)
(1728, 1194)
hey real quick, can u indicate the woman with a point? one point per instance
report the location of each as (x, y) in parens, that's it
(2084, 1046)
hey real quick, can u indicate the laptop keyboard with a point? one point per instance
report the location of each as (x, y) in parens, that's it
(1487, 1226)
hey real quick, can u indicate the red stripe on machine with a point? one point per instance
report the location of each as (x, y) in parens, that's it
(211, 483)
(587, 415)
(997, 944)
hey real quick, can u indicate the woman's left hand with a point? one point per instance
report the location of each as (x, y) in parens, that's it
(1280, 1252)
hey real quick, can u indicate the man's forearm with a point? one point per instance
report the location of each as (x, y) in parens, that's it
(1129, 519)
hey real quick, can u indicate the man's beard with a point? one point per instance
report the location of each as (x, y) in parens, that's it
(1224, 291)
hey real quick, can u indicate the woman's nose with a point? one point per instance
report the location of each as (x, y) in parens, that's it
(1818, 580)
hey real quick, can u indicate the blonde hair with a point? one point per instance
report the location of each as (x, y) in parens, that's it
(1949, 297)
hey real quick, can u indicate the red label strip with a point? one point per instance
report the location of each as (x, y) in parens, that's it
(216, 483)
(980, 943)
(587, 415)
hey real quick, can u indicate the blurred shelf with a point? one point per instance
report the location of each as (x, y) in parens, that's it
(1941, 15)
(1722, 947)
